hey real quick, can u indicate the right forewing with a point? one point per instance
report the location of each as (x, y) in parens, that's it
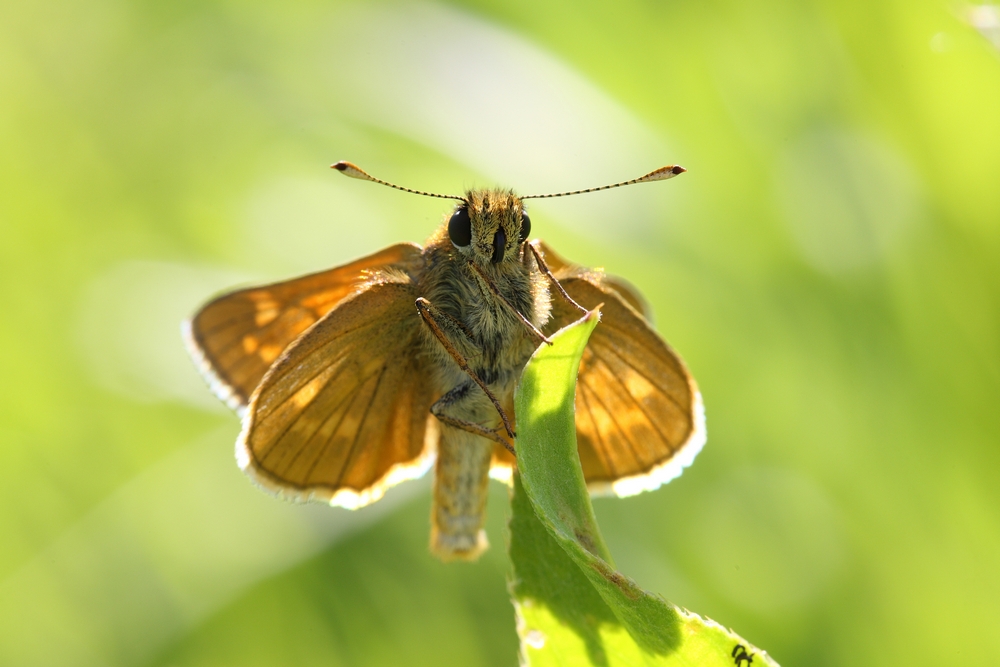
(343, 413)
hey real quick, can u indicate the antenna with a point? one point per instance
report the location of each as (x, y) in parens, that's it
(354, 171)
(660, 174)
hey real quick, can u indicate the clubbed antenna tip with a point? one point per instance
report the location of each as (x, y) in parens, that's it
(660, 174)
(354, 171)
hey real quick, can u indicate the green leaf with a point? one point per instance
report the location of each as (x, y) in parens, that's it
(573, 606)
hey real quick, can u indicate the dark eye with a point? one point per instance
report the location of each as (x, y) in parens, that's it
(525, 226)
(460, 227)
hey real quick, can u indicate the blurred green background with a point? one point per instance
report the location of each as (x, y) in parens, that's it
(829, 268)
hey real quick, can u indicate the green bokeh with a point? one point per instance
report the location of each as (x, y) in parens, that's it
(829, 269)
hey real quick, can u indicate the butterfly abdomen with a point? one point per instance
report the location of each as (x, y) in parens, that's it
(461, 485)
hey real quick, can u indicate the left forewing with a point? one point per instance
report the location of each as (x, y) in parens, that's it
(236, 337)
(639, 413)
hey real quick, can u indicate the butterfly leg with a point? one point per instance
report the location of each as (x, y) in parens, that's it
(454, 396)
(432, 317)
(555, 281)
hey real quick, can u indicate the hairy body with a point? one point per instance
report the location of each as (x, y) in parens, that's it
(496, 345)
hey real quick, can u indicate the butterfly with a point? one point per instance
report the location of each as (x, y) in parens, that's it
(353, 379)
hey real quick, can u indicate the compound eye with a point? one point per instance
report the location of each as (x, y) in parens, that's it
(460, 227)
(525, 227)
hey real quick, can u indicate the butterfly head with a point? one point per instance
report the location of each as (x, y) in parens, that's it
(489, 225)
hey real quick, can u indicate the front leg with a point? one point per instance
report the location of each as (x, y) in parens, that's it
(456, 395)
(437, 321)
(555, 281)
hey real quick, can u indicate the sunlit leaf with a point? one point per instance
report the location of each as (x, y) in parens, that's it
(573, 606)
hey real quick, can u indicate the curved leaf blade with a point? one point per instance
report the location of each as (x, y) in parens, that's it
(573, 606)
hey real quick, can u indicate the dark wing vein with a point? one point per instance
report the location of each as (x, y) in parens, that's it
(638, 404)
(611, 415)
(357, 433)
(293, 392)
(333, 412)
(640, 372)
(598, 439)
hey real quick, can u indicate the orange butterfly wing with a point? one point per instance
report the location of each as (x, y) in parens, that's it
(639, 415)
(236, 337)
(344, 413)
(347, 336)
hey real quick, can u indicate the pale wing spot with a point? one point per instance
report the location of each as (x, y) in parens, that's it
(269, 352)
(275, 411)
(265, 316)
(263, 301)
(250, 344)
(638, 386)
(307, 393)
(351, 422)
